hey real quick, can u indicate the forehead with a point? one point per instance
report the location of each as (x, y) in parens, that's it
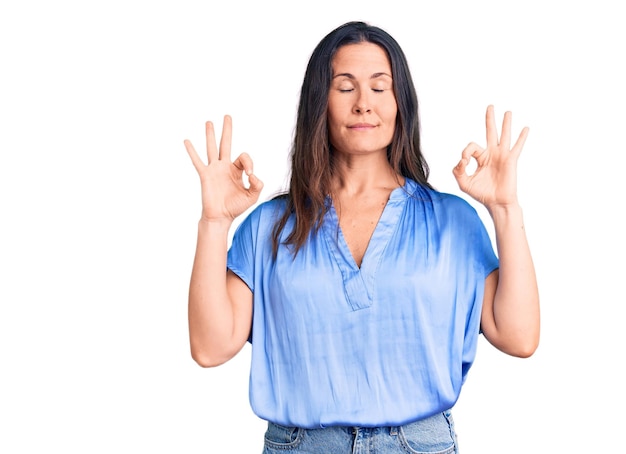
(363, 56)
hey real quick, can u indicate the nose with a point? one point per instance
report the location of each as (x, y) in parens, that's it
(362, 104)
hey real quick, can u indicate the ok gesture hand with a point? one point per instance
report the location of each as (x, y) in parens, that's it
(224, 194)
(495, 180)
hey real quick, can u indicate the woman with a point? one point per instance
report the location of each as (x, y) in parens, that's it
(362, 289)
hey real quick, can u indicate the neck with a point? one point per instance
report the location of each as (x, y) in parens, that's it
(360, 174)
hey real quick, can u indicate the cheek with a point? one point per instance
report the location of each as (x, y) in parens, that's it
(391, 111)
(333, 121)
(389, 116)
(333, 135)
(334, 109)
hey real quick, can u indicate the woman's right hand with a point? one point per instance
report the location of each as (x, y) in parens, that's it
(224, 193)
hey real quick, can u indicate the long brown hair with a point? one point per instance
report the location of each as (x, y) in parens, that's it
(311, 154)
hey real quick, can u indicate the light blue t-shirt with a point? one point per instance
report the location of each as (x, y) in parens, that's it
(380, 345)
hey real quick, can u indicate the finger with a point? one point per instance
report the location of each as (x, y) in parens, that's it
(211, 148)
(492, 130)
(460, 173)
(195, 159)
(473, 150)
(521, 140)
(460, 169)
(505, 137)
(226, 140)
(256, 185)
(244, 162)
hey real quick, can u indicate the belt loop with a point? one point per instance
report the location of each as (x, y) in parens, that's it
(393, 431)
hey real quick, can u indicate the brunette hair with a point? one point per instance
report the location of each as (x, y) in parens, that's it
(311, 153)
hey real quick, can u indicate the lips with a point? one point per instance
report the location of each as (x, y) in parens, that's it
(361, 126)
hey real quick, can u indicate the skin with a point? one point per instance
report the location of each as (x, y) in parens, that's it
(362, 107)
(510, 317)
(361, 113)
(220, 304)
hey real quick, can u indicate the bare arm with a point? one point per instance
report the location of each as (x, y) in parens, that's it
(510, 318)
(220, 304)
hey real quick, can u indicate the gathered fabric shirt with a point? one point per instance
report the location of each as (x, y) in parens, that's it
(383, 344)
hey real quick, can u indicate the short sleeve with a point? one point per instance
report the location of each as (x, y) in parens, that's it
(485, 257)
(240, 258)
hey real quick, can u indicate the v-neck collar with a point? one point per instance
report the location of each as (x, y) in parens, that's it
(359, 282)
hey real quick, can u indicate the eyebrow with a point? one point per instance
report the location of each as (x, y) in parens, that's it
(351, 76)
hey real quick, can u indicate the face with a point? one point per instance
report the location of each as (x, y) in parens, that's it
(362, 106)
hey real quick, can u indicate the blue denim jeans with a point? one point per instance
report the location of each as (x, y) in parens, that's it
(431, 435)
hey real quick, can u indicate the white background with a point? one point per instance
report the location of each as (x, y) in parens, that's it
(99, 203)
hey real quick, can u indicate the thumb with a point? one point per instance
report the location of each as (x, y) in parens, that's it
(462, 178)
(256, 185)
(459, 170)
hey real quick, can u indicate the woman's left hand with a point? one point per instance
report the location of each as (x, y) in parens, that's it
(494, 182)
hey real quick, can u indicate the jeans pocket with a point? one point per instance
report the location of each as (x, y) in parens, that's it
(433, 435)
(282, 438)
